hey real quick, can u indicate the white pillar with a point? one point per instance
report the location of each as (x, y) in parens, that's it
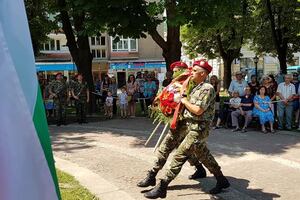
(66, 74)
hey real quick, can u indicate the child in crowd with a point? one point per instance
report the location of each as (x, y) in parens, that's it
(235, 101)
(123, 101)
(234, 104)
(109, 105)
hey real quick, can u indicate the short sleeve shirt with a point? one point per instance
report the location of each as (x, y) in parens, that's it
(59, 88)
(80, 89)
(149, 89)
(286, 90)
(123, 98)
(203, 95)
(236, 86)
(235, 101)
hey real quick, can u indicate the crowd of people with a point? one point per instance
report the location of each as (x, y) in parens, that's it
(270, 100)
(59, 93)
(141, 88)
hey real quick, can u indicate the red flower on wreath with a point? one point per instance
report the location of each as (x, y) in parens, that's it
(167, 103)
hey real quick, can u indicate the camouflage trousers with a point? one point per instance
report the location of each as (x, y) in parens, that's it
(81, 110)
(194, 143)
(170, 142)
(60, 107)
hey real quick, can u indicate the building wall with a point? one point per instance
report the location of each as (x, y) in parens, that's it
(63, 43)
(148, 49)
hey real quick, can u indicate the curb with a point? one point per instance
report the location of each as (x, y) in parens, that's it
(98, 186)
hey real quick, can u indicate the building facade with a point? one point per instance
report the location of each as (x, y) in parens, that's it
(110, 56)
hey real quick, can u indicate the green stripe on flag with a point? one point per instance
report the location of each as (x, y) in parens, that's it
(41, 126)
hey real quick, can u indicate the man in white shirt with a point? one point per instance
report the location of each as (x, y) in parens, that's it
(238, 85)
(286, 92)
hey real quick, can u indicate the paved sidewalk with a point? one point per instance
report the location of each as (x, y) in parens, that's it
(258, 166)
(100, 187)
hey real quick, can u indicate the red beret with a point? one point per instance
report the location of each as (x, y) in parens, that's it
(78, 75)
(178, 64)
(59, 73)
(204, 64)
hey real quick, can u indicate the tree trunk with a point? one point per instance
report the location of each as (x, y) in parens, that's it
(227, 71)
(173, 53)
(282, 62)
(279, 41)
(80, 49)
(172, 47)
(85, 59)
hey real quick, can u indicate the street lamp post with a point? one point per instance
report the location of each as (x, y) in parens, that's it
(255, 60)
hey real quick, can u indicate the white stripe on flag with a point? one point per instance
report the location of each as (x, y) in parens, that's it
(24, 172)
(17, 36)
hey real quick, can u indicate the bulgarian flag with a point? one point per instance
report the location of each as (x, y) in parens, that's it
(27, 170)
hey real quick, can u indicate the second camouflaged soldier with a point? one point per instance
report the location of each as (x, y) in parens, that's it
(198, 113)
(80, 93)
(170, 142)
(58, 91)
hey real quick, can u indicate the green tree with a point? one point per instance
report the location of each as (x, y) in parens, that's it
(130, 18)
(135, 18)
(218, 29)
(39, 22)
(277, 29)
(75, 21)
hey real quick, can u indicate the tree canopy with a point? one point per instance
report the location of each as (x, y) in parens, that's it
(277, 29)
(218, 30)
(40, 24)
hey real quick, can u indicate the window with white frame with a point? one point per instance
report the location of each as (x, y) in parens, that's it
(51, 45)
(98, 41)
(125, 44)
(98, 53)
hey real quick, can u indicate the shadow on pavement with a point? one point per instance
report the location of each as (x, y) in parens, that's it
(220, 142)
(238, 190)
(225, 142)
(73, 143)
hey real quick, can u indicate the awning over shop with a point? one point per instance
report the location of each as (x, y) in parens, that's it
(136, 65)
(293, 68)
(55, 67)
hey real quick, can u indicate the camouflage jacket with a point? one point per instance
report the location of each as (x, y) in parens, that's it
(80, 89)
(203, 95)
(59, 88)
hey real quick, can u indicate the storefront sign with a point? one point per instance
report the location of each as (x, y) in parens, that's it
(137, 65)
(55, 67)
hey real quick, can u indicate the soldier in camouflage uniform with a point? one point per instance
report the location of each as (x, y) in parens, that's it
(71, 83)
(198, 113)
(170, 142)
(80, 93)
(58, 91)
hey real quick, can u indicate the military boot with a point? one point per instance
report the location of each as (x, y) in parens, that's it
(199, 173)
(222, 183)
(149, 180)
(159, 191)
